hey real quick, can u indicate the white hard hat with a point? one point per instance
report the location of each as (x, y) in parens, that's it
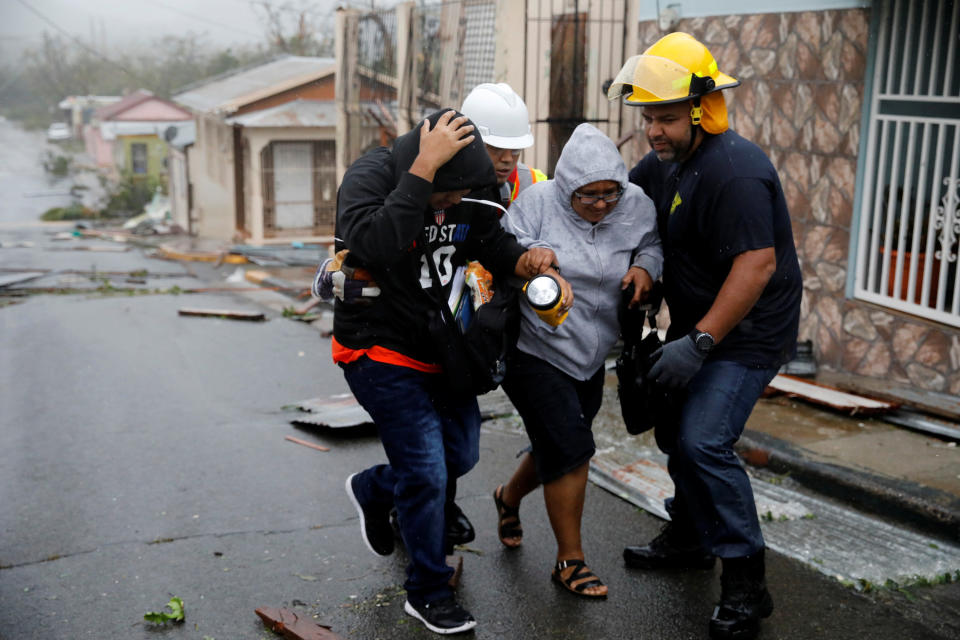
(500, 116)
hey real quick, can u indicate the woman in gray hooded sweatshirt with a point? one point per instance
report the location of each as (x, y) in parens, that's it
(603, 231)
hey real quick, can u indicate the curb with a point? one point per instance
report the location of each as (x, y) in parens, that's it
(924, 508)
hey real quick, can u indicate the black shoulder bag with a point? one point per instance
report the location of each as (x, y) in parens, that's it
(642, 402)
(474, 362)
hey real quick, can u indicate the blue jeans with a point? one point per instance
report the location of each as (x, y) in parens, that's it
(713, 496)
(427, 439)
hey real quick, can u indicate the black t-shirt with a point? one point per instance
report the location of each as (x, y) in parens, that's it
(725, 200)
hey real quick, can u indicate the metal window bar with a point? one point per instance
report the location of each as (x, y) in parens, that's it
(479, 45)
(909, 226)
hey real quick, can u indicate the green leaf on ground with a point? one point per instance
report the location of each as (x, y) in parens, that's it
(161, 617)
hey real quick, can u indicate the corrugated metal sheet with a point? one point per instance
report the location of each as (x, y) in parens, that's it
(227, 94)
(298, 113)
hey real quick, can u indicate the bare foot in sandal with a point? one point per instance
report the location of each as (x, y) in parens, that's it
(508, 521)
(576, 577)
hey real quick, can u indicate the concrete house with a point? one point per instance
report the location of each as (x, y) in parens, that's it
(261, 168)
(127, 137)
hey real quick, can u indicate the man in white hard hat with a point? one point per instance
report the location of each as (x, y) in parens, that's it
(503, 122)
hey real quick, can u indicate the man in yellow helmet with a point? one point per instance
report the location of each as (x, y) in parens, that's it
(733, 285)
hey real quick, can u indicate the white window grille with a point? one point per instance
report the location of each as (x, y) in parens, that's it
(909, 216)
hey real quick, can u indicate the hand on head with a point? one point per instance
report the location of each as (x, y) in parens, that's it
(440, 143)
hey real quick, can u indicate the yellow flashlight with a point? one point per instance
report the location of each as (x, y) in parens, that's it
(546, 299)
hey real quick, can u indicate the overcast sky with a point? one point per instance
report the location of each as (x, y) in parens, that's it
(223, 22)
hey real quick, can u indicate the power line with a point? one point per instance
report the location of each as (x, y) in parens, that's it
(74, 39)
(207, 20)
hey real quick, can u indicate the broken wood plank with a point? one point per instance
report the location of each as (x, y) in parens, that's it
(829, 396)
(223, 313)
(294, 625)
(318, 447)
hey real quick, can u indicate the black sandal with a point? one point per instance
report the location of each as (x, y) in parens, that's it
(508, 525)
(580, 578)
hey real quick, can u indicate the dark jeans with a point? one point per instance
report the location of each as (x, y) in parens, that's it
(713, 495)
(427, 439)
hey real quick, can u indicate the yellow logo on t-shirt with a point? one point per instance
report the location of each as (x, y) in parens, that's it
(676, 202)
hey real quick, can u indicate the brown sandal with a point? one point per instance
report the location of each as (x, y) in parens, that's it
(580, 579)
(508, 525)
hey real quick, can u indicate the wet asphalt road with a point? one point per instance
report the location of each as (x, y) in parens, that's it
(142, 456)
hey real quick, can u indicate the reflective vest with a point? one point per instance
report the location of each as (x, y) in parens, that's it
(521, 178)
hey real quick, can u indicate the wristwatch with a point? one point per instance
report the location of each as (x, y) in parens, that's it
(703, 340)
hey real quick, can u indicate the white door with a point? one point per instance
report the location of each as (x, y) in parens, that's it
(293, 184)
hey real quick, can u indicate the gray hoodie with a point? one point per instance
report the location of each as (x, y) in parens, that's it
(592, 257)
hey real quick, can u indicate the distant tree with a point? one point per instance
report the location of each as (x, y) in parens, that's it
(297, 30)
(31, 88)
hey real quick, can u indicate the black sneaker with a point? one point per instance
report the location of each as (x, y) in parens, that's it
(375, 526)
(669, 550)
(443, 616)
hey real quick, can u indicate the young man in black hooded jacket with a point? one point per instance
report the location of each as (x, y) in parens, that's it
(395, 204)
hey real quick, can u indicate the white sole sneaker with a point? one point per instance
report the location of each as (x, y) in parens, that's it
(466, 626)
(363, 523)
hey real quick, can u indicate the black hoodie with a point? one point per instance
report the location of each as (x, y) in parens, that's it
(382, 209)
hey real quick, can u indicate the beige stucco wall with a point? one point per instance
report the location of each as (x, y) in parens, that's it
(801, 100)
(211, 171)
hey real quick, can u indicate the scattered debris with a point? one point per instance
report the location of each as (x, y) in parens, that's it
(307, 306)
(302, 312)
(337, 411)
(264, 279)
(294, 625)
(296, 254)
(218, 257)
(227, 314)
(8, 280)
(926, 424)
(318, 447)
(829, 396)
(162, 617)
(99, 249)
(155, 219)
(237, 276)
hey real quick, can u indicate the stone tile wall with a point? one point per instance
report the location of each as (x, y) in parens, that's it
(802, 89)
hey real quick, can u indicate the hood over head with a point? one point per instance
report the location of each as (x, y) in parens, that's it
(470, 168)
(588, 156)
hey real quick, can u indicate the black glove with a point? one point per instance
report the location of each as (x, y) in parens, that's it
(676, 363)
